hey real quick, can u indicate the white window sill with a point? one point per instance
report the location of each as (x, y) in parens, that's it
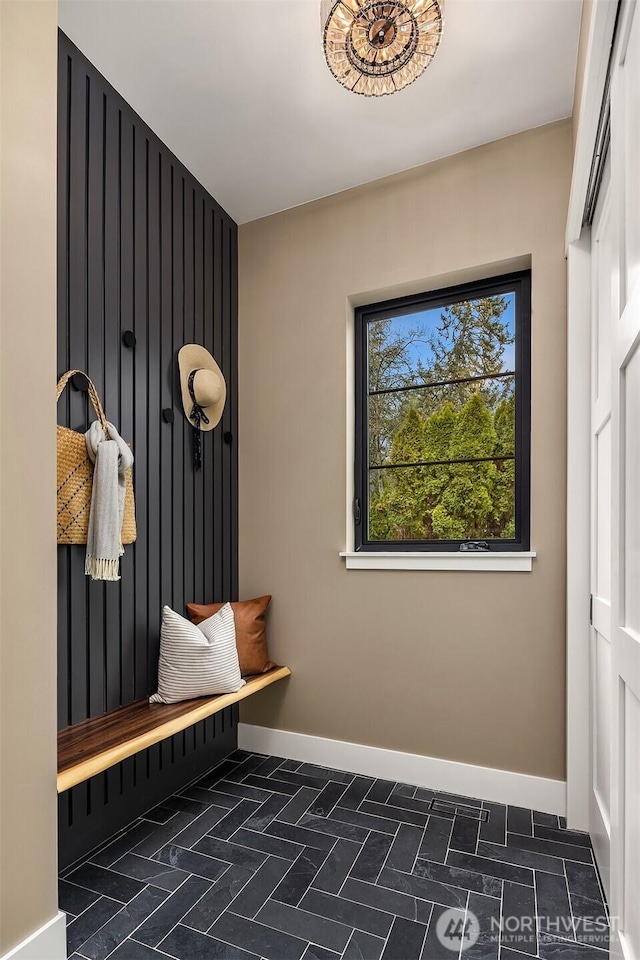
(520, 561)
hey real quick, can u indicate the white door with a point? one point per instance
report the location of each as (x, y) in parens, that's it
(614, 800)
(625, 518)
(604, 300)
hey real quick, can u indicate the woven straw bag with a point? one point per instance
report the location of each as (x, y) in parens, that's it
(75, 477)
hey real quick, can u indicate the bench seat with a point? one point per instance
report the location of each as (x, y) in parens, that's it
(92, 746)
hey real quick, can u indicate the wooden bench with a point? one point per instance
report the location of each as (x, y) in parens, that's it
(90, 747)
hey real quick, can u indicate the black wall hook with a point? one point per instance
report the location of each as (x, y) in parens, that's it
(168, 415)
(80, 382)
(129, 338)
(227, 436)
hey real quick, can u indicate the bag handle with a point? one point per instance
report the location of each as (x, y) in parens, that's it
(93, 395)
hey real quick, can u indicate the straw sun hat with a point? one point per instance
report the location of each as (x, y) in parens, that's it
(203, 387)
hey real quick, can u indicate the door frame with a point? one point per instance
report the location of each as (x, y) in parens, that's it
(578, 251)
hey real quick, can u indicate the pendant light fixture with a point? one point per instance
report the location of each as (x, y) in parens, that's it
(376, 48)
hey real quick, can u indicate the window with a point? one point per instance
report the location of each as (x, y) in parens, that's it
(443, 419)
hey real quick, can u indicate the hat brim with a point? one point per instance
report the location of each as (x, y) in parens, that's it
(192, 356)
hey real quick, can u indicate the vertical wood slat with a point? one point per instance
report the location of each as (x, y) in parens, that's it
(133, 259)
(142, 247)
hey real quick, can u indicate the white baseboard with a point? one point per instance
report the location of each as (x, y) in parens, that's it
(483, 783)
(47, 943)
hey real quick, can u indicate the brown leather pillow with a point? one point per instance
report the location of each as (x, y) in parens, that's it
(251, 632)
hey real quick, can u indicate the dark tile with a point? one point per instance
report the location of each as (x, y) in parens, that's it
(239, 756)
(158, 925)
(554, 911)
(234, 819)
(335, 868)
(132, 950)
(325, 773)
(395, 813)
(365, 820)
(346, 911)
(414, 804)
(243, 791)
(123, 843)
(445, 925)
(159, 814)
(425, 889)
(390, 901)
(583, 880)
(230, 852)
(520, 928)
(150, 871)
(298, 805)
(209, 907)
(268, 766)
(405, 940)
(186, 944)
(275, 846)
(315, 952)
(270, 783)
(327, 799)
(457, 877)
(308, 838)
(494, 830)
(464, 835)
(491, 868)
(363, 946)
(191, 862)
(111, 935)
(266, 812)
(91, 920)
(187, 805)
(562, 823)
(260, 887)
(356, 792)
(536, 845)
(552, 949)
(106, 882)
(159, 836)
(537, 861)
(218, 773)
(562, 836)
(435, 841)
(73, 899)
(372, 857)
(211, 796)
(590, 921)
(334, 828)
(545, 819)
(303, 780)
(257, 938)
(487, 913)
(290, 765)
(200, 826)
(508, 954)
(307, 926)
(457, 800)
(425, 794)
(404, 790)
(300, 875)
(519, 820)
(380, 790)
(404, 848)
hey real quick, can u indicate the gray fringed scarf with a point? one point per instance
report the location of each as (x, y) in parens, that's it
(111, 458)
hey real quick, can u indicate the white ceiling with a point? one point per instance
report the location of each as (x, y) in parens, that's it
(240, 91)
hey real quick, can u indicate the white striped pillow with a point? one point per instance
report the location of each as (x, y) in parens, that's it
(197, 661)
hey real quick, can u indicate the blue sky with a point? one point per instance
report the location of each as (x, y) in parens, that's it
(429, 319)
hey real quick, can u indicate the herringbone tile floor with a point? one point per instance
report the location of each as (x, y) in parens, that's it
(283, 860)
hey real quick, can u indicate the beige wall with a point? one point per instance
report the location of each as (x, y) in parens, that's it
(28, 51)
(464, 666)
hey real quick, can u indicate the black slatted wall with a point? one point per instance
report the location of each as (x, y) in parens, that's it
(141, 247)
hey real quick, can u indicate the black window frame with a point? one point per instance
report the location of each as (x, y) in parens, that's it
(520, 283)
